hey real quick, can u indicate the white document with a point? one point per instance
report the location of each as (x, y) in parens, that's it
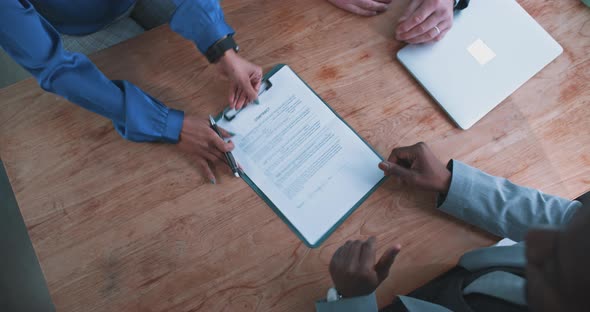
(305, 159)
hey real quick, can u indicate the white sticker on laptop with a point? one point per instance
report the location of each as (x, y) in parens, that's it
(481, 52)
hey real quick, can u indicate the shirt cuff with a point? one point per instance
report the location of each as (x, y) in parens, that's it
(173, 126)
(366, 303)
(461, 183)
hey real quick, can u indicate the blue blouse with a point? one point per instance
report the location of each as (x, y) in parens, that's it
(29, 33)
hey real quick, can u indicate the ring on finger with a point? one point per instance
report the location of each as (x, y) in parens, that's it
(437, 30)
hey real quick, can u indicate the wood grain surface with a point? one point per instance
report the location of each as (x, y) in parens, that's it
(122, 226)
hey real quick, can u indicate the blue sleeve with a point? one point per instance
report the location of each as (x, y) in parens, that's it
(33, 43)
(366, 303)
(500, 206)
(200, 21)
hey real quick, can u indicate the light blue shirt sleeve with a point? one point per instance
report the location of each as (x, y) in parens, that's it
(500, 206)
(366, 303)
(33, 43)
(200, 21)
(417, 305)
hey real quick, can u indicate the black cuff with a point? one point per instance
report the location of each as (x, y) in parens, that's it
(217, 50)
(440, 199)
(462, 4)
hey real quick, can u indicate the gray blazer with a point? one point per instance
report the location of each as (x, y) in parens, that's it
(495, 205)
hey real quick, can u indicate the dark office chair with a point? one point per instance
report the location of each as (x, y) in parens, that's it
(22, 284)
(585, 200)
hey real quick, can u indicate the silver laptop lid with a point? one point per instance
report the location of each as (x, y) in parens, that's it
(494, 47)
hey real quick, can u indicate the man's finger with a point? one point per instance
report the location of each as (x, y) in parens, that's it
(206, 171)
(338, 259)
(225, 133)
(354, 255)
(393, 169)
(241, 99)
(392, 157)
(237, 95)
(218, 143)
(426, 26)
(232, 96)
(384, 1)
(403, 20)
(382, 267)
(418, 17)
(345, 252)
(406, 153)
(367, 257)
(213, 156)
(444, 27)
(371, 5)
(256, 80)
(251, 93)
(426, 37)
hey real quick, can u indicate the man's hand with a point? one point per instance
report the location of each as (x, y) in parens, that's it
(417, 166)
(198, 140)
(354, 270)
(245, 79)
(362, 7)
(417, 24)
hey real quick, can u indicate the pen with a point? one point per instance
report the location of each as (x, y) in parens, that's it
(228, 156)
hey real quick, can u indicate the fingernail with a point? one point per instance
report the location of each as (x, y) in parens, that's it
(212, 181)
(385, 165)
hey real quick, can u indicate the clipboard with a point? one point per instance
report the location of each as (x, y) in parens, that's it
(266, 85)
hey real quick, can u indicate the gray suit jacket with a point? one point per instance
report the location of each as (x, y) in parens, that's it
(490, 203)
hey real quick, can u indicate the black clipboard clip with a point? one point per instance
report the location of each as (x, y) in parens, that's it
(230, 113)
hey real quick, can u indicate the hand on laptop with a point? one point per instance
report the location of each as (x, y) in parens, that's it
(199, 141)
(362, 7)
(354, 269)
(425, 21)
(417, 166)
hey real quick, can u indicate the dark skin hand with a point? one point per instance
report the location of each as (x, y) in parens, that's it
(354, 269)
(418, 167)
(198, 140)
(557, 270)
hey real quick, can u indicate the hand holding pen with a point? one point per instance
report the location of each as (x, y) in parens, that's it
(228, 155)
(202, 144)
(229, 114)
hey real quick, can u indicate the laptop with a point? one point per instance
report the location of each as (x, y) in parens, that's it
(494, 47)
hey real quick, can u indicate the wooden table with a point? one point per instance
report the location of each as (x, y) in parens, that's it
(124, 226)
